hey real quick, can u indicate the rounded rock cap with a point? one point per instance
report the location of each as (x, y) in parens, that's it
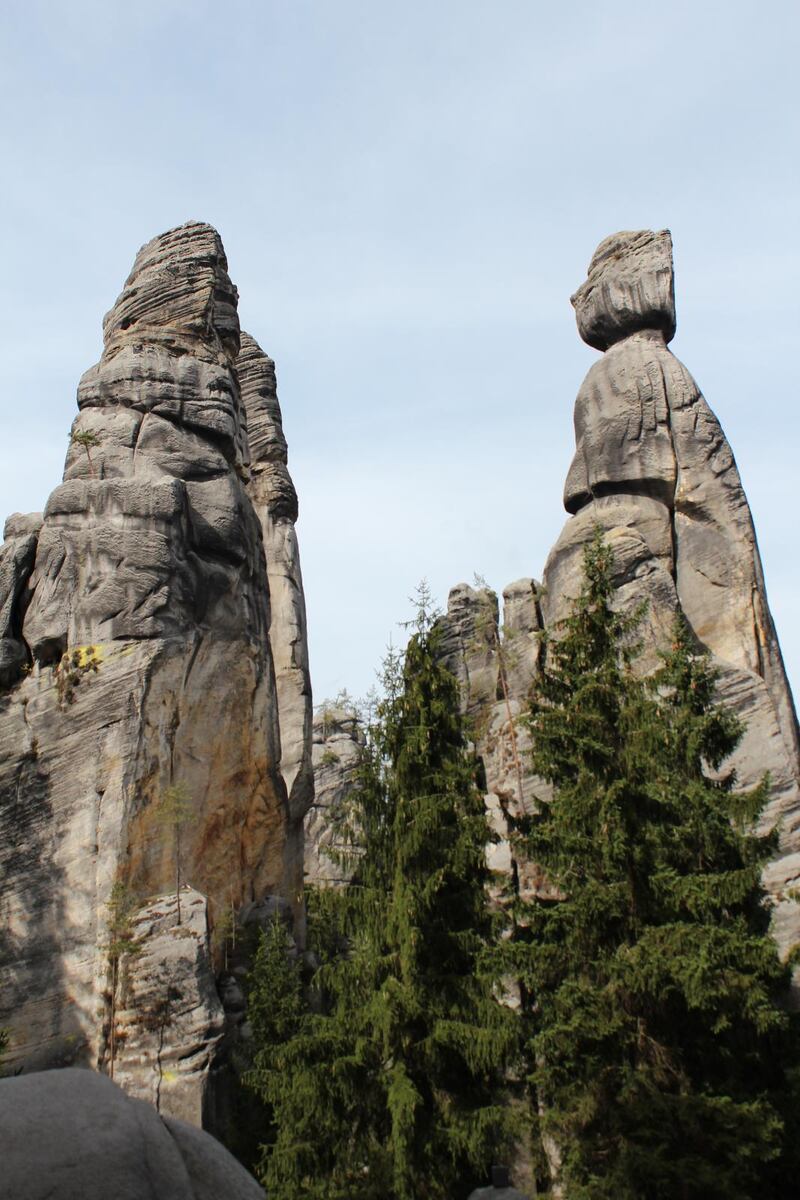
(629, 287)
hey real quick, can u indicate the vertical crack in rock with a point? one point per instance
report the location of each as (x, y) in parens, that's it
(139, 652)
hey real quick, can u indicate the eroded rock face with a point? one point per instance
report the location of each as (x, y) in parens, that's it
(338, 744)
(654, 471)
(167, 1015)
(275, 501)
(629, 286)
(495, 657)
(17, 555)
(139, 651)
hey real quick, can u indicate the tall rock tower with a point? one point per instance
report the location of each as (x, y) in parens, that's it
(155, 711)
(654, 471)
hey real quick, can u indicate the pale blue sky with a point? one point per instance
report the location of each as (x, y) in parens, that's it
(408, 194)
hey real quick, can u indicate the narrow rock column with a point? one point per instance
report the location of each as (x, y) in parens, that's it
(654, 470)
(274, 499)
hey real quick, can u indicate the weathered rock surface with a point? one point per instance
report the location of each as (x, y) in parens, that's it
(75, 1135)
(337, 749)
(272, 492)
(167, 1014)
(495, 667)
(139, 652)
(500, 1188)
(653, 470)
(629, 286)
(17, 556)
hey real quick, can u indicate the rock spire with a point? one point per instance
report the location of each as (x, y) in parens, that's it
(654, 470)
(153, 649)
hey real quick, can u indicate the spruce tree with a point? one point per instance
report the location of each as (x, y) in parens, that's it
(391, 1086)
(658, 1044)
(274, 1009)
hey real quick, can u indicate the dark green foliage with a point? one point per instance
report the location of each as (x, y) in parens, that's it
(657, 1041)
(275, 1008)
(390, 1086)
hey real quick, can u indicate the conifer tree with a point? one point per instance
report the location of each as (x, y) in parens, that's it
(275, 1008)
(658, 1043)
(391, 1088)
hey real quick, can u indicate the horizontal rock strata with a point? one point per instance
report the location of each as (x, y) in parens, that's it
(139, 651)
(338, 744)
(167, 1016)
(654, 471)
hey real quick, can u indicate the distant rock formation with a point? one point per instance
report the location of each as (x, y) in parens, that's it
(653, 470)
(153, 639)
(495, 669)
(337, 751)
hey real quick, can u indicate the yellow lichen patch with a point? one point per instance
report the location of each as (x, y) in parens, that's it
(75, 664)
(90, 654)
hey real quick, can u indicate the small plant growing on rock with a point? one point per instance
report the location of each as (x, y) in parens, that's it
(88, 441)
(74, 665)
(174, 812)
(329, 710)
(225, 931)
(121, 945)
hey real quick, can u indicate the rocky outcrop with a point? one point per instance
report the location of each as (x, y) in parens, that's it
(75, 1135)
(653, 470)
(495, 664)
(17, 556)
(167, 1015)
(337, 753)
(272, 492)
(141, 653)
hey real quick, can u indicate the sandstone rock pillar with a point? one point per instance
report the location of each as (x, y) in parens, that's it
(139, 650)
(654, 470)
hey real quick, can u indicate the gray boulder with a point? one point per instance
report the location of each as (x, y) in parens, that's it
(500, 1188)
(76, 1135)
